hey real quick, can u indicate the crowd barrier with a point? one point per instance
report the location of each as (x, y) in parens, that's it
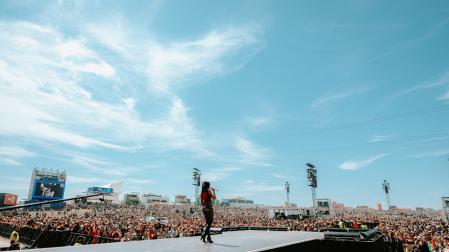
(88, 239)
(27, 235)
(34, 238)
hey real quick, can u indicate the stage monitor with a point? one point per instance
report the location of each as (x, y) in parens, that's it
(48, 189)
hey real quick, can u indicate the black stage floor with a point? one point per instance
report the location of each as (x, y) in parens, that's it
(228, 241)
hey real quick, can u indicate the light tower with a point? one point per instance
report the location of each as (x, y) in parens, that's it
(311, 175)
(287, 190)
(386, 187)
(196, 183)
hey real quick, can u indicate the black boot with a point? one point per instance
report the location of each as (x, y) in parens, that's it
(203, 238)
(209, 240)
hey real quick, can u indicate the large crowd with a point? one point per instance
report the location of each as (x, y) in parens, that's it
(407, 230)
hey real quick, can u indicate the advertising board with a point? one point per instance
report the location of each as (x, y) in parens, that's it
(10, 199)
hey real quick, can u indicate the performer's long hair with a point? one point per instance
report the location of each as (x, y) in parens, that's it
(205, 187)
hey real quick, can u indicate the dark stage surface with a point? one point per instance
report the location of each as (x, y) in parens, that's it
(228, 241)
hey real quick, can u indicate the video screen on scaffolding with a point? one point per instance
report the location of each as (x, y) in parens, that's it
(48, 189)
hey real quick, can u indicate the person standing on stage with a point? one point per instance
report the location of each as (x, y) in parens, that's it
(207, 195)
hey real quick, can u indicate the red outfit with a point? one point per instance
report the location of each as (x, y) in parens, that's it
(206, 198)
(208, 210)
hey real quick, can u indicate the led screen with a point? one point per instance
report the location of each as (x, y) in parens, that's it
(48, 189)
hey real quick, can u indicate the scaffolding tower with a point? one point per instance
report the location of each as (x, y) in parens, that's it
(386, 187)
(196, 183)
(287, 190)
(312, 176)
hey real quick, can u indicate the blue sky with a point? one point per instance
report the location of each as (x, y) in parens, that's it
(246, 91)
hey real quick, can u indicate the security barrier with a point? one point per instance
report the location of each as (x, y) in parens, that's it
(34, 238)
(28, 235)
(88, 239)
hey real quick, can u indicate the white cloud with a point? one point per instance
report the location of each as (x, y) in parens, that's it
(9, 161)
(324, 100)
(116, 39)
(279, 176)
(43, 97)
(11, 154)
(48, 95)
(412, 42)
(440, 81)
(259, 121)
(381, 138)
(251, 153)
(141, 181)
(357, 164)
(444, 97)
(433, 153)
(101, 166)
(129, 102)
(430, 139)
(102, 69)
(15, 152)
(81, 180)
(219, 52)
(39, 97)
(73, 48)
(251, 186)
(15, 185)
(214, 175)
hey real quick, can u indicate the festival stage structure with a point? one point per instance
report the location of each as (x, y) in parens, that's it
(250, 240)
(46, 185)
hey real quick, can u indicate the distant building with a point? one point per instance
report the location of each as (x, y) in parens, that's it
(362, 207)
(131, 199)
(149, 199)
(292, 205)
(110, 193)
(287, 212)
(182, 200)
(379, 206)
(324, 208)
(238, 202)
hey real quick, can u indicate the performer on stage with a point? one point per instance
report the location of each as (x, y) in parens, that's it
(207, 195)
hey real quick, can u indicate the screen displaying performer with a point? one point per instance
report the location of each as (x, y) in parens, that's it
(48, 190)
(207, 195)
